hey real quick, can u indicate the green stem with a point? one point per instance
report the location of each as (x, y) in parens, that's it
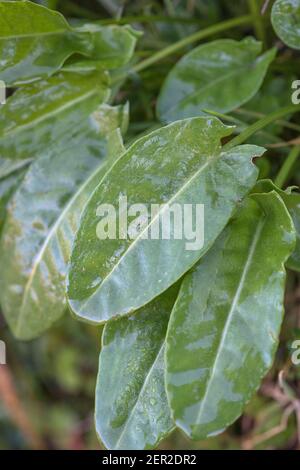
(150, 19)
(286, 169)
(257, 115)
(241, 124)
(260, 124)
(192, 38)
(257, 20)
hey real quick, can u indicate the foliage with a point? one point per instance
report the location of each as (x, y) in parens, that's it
(188, 335)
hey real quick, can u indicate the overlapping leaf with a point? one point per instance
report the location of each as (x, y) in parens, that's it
(132, 411)
(35, 42)
(292, 203)
(224, 328)
(218, 76)
(39, 115)
(179, 164)
(42, 220)
(285, 18)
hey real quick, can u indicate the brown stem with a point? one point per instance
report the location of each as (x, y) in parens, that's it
(14, 407)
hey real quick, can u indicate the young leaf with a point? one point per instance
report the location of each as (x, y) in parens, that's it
(181, 163)
(42, 219)
(224, 328)
(39, 115)
(285, 19)
(35, 42)
(219, 76)
(292, 203)
(132, 411)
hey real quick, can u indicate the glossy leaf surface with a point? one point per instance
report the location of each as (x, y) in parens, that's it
(7, 187)
(42, 219)
(36, 41)
(132, 411)
(218, 76)
(224, 328)
(286, 21)
(39, 115)
(178, 164)
(292, 202)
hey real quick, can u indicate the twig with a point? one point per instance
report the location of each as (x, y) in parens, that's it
(265, 7)
(15, 409)
(255, 440)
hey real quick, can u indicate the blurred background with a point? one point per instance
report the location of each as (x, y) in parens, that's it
(47, 386)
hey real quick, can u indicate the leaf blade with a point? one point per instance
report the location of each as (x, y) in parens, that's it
(229, 332)
(37, 116)
(131, 407)
(178, 160)
(218, 76)
(30, 32)
(285, 18)
(42, 220)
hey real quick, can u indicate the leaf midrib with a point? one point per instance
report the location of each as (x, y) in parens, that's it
(146, 380)
(37, 35)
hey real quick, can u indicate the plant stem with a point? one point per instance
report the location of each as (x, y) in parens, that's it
(257, 115)
(14, 406)
(285, 170)
(260, 124)
(150, 19)
(224, 25)
(257, 20)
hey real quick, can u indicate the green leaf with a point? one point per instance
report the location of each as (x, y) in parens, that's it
(285, 19)
(42, 220)
(9, 167)
(224, 328)
(292, 203)
(219, 76)
(39, 115)
(181, 163)
(35, 42)
(8, 186)
(132, 411)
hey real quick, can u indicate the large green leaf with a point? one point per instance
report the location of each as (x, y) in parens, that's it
(292, 203)
(286, 21)
(181, 163)
(35, 42)
(220, 76)
(224, 328)
(39, 115)
(132, 411)
(42, 219)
